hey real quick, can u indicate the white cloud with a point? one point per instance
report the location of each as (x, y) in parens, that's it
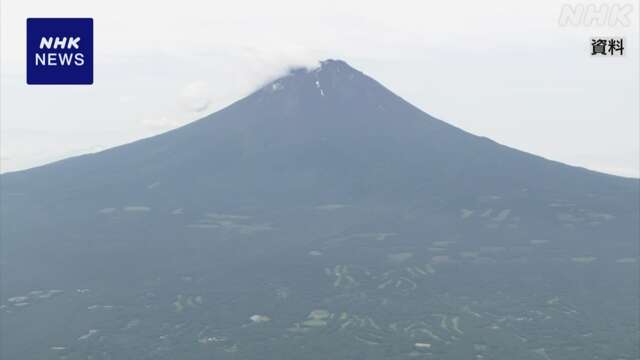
(195, 96)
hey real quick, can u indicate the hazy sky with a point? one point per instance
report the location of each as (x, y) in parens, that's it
(502, 69)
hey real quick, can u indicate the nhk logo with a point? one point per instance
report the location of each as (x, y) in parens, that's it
(59, 51)
(56, 58)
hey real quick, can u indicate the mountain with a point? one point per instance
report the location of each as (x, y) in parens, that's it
(322, 216)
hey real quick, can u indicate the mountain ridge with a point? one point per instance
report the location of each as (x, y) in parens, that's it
(299, 74)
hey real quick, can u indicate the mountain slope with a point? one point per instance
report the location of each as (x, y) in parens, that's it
(325, 162)
(320, 123)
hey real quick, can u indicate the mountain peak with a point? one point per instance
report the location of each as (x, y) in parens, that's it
(324, 66)
(332, 77)
(335, 64)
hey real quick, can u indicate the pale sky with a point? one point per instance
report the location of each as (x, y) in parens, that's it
(502, 69)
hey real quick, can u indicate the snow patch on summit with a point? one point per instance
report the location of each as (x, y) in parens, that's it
(319, 87)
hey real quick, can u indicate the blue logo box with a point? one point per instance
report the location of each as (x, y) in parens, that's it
(59, 51)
